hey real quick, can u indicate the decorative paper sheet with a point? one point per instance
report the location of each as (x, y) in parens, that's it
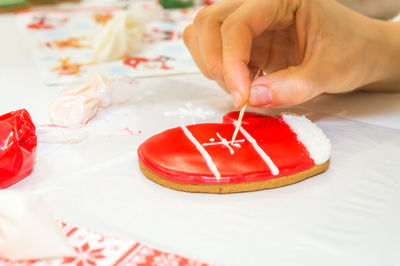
(93, 248)
(61, 42)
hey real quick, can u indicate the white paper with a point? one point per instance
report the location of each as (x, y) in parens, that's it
(345, 216)
(27, 229)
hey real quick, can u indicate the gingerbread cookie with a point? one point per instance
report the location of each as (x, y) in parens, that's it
(268, 152)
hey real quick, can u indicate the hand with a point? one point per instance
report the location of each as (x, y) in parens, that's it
(305, 47)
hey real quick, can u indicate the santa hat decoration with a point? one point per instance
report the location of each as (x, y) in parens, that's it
(268, 152)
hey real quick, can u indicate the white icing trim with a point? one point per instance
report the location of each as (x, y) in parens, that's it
(312, 137)
(204, 153)
(264, 156)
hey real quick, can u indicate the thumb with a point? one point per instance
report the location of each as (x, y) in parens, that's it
(238, 31)
(290, 86)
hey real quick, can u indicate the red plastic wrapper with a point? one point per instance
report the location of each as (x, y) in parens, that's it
(17, 147)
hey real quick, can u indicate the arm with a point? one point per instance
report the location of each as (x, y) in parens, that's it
(391, 38)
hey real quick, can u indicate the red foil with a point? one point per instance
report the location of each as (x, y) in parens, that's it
(17, 147)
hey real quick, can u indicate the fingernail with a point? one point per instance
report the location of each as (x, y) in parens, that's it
(259, 96)
(237, 98)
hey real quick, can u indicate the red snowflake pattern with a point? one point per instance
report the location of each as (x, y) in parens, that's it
(93, 249)
(85, 256)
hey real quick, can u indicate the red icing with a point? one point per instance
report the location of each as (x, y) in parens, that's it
(134, 62)
(40, 24)
(17, 147)
(173, 156)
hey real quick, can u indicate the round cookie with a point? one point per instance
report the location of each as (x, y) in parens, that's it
(268, 152)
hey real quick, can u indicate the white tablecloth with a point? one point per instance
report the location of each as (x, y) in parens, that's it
(346, 216)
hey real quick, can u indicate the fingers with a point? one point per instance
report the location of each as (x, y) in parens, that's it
(290, 86)
(238, 31)
(220, 40)
(203, 37)
(207, 25)
(193, 47)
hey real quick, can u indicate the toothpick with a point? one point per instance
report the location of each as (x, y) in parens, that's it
(239, 123)
(241, 114)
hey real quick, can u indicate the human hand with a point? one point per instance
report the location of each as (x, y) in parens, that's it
(305, 47)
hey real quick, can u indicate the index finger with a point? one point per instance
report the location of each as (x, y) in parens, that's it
(238, 31)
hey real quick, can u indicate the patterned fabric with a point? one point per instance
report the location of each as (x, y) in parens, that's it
(61, 42)
(94, 248)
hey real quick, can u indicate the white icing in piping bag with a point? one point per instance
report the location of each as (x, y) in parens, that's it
(241, 114)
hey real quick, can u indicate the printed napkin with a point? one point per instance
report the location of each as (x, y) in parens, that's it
(61, 43)
(94, 248)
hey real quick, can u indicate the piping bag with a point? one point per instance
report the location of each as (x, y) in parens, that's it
(17, 147)
(81, 100)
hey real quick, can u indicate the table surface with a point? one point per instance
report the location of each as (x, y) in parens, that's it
(346, 216)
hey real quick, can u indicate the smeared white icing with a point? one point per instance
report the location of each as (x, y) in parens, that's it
(312, 137)
(264, 156)
(204, 153)
(237, 145)
(59, 134)
(224, 142)
(194, 113)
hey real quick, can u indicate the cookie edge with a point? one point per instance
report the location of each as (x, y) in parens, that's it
(234, 188)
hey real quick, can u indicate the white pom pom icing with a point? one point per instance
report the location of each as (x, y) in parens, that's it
(312, 137)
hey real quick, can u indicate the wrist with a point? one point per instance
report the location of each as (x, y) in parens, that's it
(383, 49)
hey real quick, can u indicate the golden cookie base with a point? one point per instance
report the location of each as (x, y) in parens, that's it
(234, 188)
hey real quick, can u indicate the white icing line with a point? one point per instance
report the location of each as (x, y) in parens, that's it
(204, 153)
(312, 137)
(236, 144)
(224, 142)
(264, 156)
